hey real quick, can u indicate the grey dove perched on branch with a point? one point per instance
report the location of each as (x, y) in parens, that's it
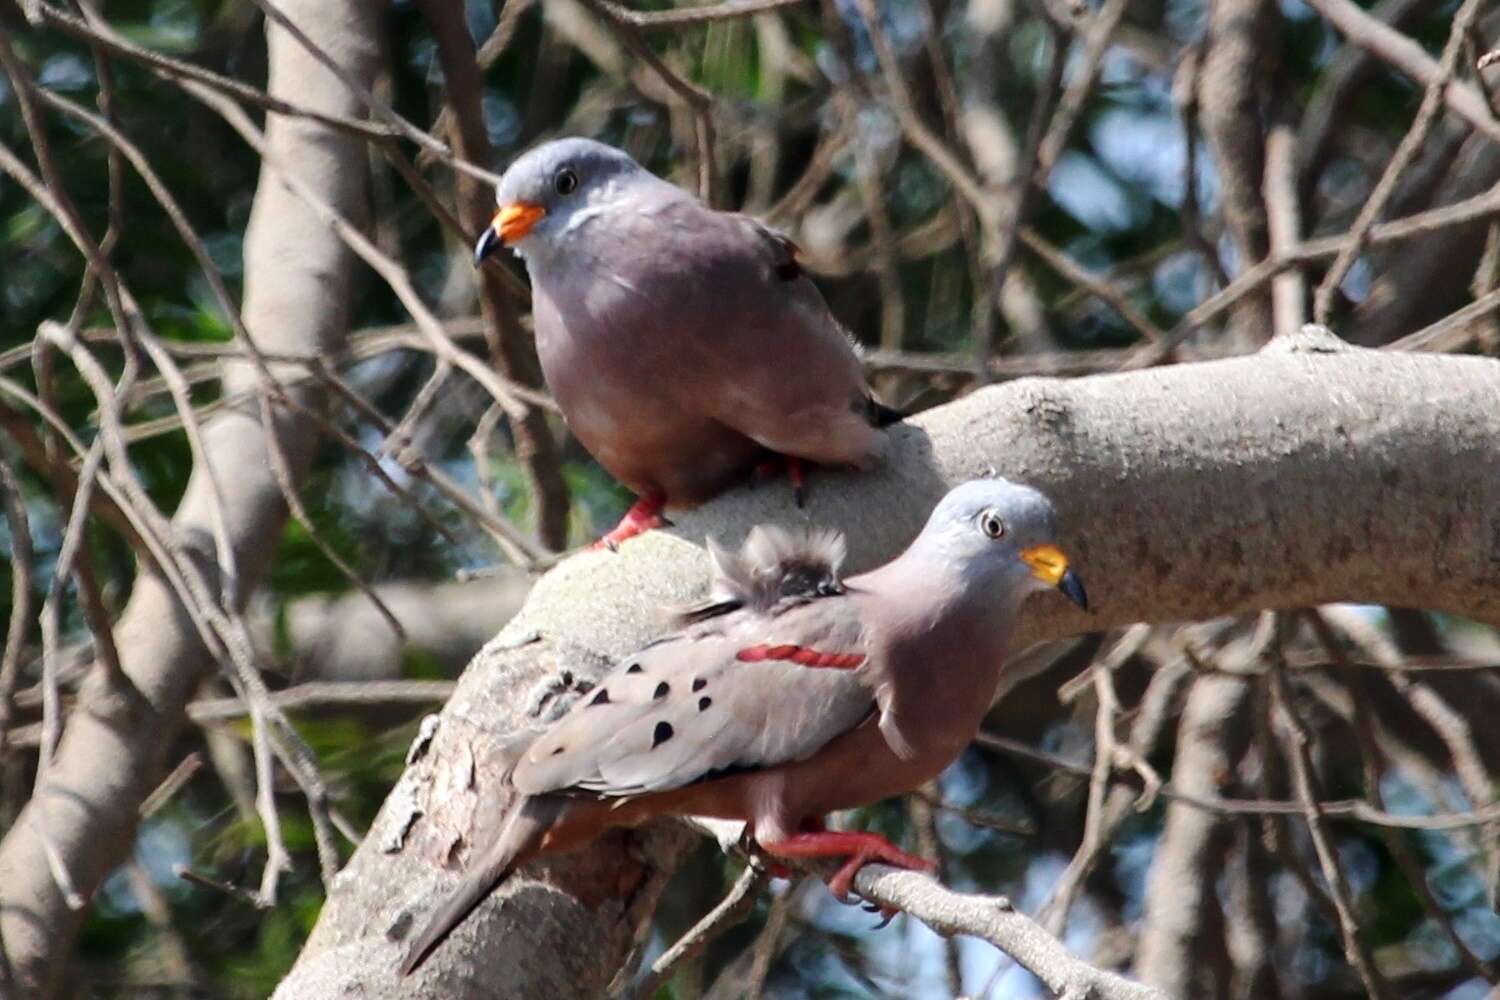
(684, 345)
(788, 694)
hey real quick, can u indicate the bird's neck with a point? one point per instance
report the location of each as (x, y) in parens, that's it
(920, 594)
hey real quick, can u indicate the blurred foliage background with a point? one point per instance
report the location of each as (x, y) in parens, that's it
(808, 135)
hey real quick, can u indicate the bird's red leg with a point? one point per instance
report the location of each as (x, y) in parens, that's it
(642, 516)
(794, 475)
(810, 824)
(859, 848)
(782, 463)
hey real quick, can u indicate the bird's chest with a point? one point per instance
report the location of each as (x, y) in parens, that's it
(636, 394)
(607, 342)
(942, 688)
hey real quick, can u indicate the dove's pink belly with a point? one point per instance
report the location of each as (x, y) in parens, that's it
(857, 769)
(677, 457)
(683, 402)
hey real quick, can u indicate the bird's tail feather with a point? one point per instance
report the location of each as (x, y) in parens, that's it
(519, 838)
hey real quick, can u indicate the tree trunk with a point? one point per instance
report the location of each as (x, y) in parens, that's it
(297, 275)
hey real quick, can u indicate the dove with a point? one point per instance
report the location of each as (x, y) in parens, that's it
(788, 693)
(684, 346)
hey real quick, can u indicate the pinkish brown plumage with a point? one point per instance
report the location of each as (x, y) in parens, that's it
(691, 725)
(684, 345)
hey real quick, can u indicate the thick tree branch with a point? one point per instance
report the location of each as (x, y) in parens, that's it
(1307, 473)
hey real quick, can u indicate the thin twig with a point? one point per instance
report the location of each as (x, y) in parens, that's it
(678, 17)
(1099, 35)
(995, 920)
(1284, 227)
(171, 784)
(326, 694)
(731, 910)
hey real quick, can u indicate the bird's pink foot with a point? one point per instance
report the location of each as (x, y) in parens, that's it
(643, 515)
(859, 848)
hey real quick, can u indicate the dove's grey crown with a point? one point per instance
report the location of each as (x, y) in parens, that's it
(533, 177)
(1028, 515)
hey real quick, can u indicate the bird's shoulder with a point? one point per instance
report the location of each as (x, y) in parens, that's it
(694, 236)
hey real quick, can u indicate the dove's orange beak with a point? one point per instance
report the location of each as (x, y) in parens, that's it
(510, 224)
(1050, 566)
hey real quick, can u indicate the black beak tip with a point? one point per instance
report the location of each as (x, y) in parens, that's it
(1072, 585)
(488, 243)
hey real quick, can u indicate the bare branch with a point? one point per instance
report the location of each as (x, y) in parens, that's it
(727, 10)
(732, 909)
(995, 920)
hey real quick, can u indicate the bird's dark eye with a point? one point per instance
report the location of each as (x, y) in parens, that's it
(991, 525)
(566, 181)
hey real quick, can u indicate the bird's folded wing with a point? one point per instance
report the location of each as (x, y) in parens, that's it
(753, 692)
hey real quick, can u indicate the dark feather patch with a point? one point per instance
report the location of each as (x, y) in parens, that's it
(774, 566)
(662, 690)
(661, 735)
(878, 414)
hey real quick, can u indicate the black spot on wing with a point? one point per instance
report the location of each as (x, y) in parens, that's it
(602, 698)
(661, 735)
(634, 668)
(704, 702)
(699, 683)
(662, 690)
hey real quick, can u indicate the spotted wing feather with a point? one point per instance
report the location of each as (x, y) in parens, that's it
(689, 707)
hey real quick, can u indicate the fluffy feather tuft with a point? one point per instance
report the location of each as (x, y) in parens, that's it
(773, 567)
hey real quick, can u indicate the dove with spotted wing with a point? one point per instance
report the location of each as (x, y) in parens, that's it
(789, 693)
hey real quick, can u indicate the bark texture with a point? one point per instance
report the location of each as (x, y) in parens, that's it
(1307, 473)
(297, 275)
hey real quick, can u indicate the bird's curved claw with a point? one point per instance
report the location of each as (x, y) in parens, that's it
(887, 913)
